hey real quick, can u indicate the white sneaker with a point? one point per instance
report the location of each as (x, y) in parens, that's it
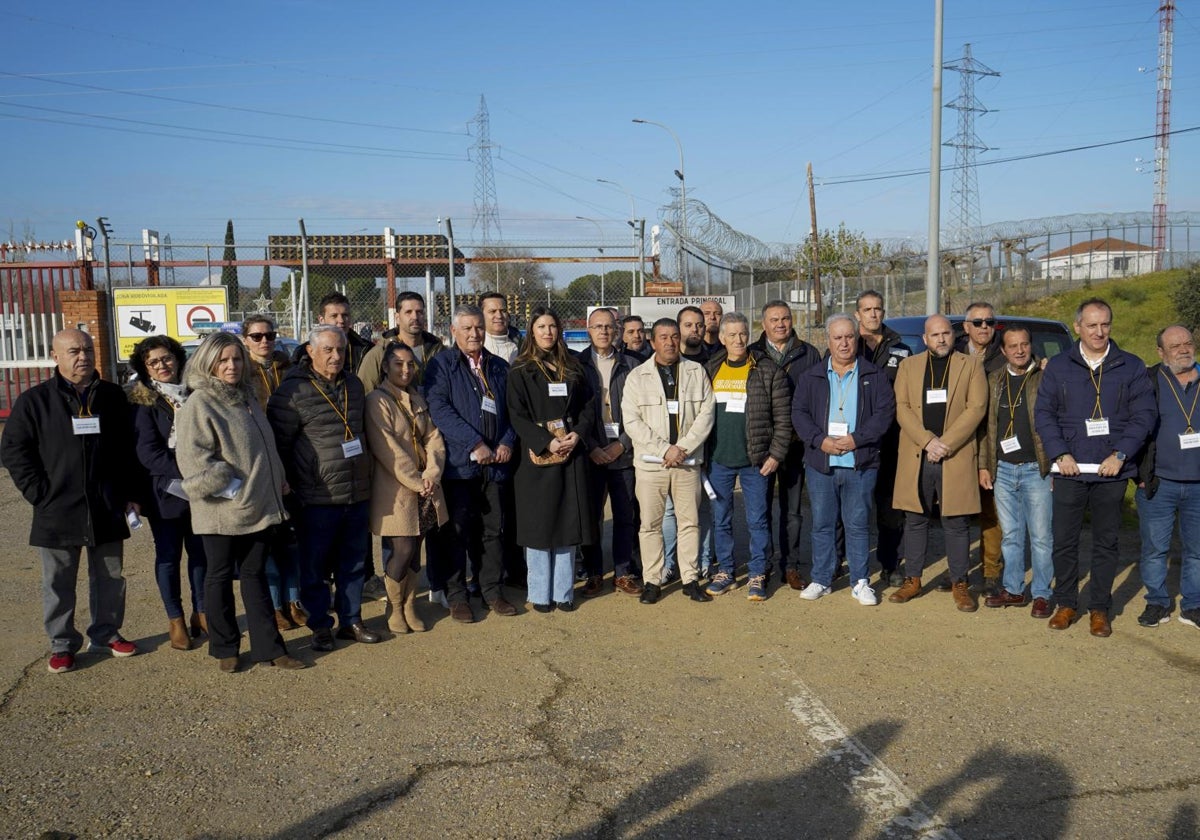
(438, 596)
(814, 591)
(864, 594)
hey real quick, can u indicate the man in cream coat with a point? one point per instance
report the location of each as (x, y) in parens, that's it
(668, 412)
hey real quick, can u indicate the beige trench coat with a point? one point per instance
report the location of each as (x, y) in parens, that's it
(966, 407)
(396, 480)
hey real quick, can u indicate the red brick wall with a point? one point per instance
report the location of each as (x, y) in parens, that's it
(90, 308)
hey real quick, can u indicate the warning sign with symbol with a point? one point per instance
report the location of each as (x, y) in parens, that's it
(164, 310)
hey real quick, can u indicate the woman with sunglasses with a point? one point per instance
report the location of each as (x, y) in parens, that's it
(267, 369)
(156, 395)
(406, 492)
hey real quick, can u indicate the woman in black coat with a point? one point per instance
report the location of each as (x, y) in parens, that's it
(549, 401)
(156, 395)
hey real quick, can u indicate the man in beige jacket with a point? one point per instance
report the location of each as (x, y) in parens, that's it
(668, 410)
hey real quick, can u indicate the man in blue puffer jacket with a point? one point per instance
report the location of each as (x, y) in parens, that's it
(1095, 410)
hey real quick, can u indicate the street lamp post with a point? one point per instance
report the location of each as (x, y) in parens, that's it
(634, 284)
(600, 232)
(682, 233)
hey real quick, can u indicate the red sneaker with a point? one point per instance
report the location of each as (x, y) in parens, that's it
(118, 647)
(61, 662)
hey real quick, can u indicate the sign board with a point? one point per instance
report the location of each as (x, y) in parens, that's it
(653, 308)
(143, 311)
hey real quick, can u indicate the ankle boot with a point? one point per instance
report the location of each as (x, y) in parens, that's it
(199, 624)
(410, 603)
(177, 632)
(299, 616)
(282, 622)
(395, 605)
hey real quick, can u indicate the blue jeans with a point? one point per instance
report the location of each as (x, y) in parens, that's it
(845, 495)
(170, 538)
(550, 574)
(671, 535)
(333, 538)
(1024, 504)
(754, 499)
(1157, 521)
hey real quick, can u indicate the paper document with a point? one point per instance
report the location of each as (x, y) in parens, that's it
(654, 459)
(1085, 469)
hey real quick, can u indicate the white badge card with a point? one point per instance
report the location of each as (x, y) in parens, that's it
(1189, 440)
(612, 430)
(1095, 428)
(558, 389)
(672, 406)
(85, 425)
(352, 447)
(735, 404)
(489, 405)
(1010, 445)
(838, 429)
(935, 395)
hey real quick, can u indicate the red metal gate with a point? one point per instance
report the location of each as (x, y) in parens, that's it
(30, 315)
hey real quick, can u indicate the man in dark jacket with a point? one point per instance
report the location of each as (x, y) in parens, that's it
(1168, 477)
(410, 329)
(884, 348)
(317, 416)
(795, 355)
(749, 440)
(842, 411)
(611, 453)
(465, 387)
(633, 338)
(68, 446)
(334, 309)
(1095, 411)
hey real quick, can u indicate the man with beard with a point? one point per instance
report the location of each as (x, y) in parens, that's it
(633, 338)
(712, 325)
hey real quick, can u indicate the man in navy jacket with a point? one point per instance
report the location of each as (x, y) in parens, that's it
(1095, 410)
(465, 387)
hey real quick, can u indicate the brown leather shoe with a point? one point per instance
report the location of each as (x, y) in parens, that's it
(593, 587)
(1063, 618)
(228, 664)
(198, 625)
(910, 589)
(794, 580)
(298, 613)
(502, 607)
(1041, 608)
(963, 598)
(282, 622)
(288, 663)
(461, 611)
(628, 584)
(177, 632)
(1101, 626)
(1004, 598)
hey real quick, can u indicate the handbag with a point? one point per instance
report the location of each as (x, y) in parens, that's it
(427, 517)
(558, 428)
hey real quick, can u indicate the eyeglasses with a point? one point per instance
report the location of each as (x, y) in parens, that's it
(979, 322)
(602, 327)
(269, 336)
(160, 361)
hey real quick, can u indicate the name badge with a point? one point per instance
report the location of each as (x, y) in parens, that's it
(85, 425)
(935, 395)
(558, 389)
(838, 429)
(1095, 428)
(612, 430)
(352, 447)
(1189, 441)
(672, 406)
(735, 404)
(1010, 445)
(489, 405)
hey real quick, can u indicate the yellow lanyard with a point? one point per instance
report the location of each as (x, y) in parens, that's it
(945, 374)
(843, 388)
(478, 371)
(418, 441)
(273, 381)
(1012, 409)
(1187, 415)
(1097, 412)
(91, 399)
(546, 373)
(342, 415)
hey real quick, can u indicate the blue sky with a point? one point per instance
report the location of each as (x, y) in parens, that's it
(355, 114)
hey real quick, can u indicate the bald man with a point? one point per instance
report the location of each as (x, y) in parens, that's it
(68, 446)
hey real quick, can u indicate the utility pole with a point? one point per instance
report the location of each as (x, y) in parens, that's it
(815, 243)
(933, 263)
(1162, 134)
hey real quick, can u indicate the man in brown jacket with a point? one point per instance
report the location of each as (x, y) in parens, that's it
(941, 398)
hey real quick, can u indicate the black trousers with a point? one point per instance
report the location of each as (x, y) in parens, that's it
(957, 530)
(1071, 499)
(626, 550)
(476, 516)
(788, 486)
(246, 556)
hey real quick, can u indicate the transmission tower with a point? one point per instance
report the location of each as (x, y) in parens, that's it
(1162, 132)
(965, 196)
(487, 214)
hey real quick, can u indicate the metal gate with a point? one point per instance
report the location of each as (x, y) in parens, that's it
(30, 315)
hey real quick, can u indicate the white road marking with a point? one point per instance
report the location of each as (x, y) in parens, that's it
(877, 788)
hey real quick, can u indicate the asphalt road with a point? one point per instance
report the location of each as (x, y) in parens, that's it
(732, 719)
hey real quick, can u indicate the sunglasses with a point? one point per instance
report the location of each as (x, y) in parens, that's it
(269, 336)
(979, 322)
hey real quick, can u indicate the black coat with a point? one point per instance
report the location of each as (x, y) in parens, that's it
(553, 506)
(79, 485)
(153, 418)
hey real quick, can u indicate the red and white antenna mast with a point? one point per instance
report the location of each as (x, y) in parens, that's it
(1162, 134)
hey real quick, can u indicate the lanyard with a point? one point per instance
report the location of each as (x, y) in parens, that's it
(1187, 414)
(478, 371)
(1097, 412)
(88, 408)
(945, 374)
(546, 373)
(342, 415)
(1012, 408)
(842, 386)
(271, 382)
(673, 381)
(417, 440)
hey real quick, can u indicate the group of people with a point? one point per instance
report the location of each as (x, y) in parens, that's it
(496, 454)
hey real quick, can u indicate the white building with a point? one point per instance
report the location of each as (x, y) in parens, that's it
(1098, 259)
